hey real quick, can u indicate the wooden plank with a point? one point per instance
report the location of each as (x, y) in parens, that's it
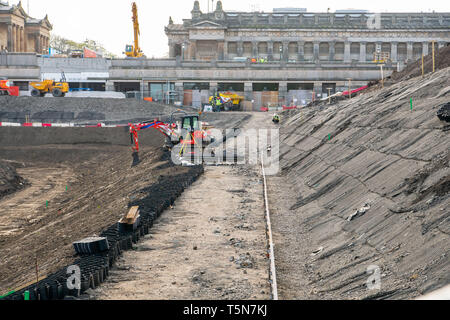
(133, 212)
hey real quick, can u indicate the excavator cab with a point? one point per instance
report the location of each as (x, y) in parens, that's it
(190, 123)
(129, 50)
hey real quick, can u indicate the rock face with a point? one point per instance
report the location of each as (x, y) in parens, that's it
(10, 181)
(375, 151)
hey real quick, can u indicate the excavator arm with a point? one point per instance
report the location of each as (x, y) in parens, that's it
(156, 124)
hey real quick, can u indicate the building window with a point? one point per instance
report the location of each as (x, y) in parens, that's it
(232, 48)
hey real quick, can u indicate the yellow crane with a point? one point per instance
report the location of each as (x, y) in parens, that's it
(130, 50)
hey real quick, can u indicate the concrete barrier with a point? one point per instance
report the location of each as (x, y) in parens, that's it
(33, 136)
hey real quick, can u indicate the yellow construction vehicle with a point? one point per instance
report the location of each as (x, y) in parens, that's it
(57, 89)
(230, 100)
(130, 50)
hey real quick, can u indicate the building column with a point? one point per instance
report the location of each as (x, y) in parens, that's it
(316, 51)
(22, 40)
(179, 88)
(10, 38)
(45, 45)
(255, 49)
(220, 49)
(36, 43)
(225, 50)
(425, 48)
(269, 51)
(192, 50)
(213, 88)
(332, 51)
(394, 51)
(409, 51)
(362, 52)
(347, 56)
(248, 91)
(13, 43)
(285, 51)
(240, 48)
(301, 50)
(171, 49)
(282, 92)
(17, 39)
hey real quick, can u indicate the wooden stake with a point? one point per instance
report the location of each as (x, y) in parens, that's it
(423, 69)
(349, 88)
(432, 49)
(37, 272)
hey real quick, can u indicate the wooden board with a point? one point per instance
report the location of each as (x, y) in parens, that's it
(133, 212)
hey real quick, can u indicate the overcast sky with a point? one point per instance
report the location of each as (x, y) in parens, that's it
(109, 21)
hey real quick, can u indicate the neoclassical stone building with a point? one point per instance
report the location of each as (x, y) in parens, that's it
(21, 33)
(298, 36)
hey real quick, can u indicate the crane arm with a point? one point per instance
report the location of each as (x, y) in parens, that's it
(137, 50)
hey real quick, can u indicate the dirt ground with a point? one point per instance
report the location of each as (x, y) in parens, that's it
(100, 184)
(211, 245)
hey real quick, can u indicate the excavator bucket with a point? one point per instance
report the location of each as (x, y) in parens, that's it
(136, 160)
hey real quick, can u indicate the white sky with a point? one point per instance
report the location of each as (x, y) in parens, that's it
(109, 21)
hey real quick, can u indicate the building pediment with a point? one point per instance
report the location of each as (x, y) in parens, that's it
(45, 23)
(207, 24)
(19, 11)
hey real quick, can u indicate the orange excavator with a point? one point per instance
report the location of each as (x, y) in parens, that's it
(7, 89)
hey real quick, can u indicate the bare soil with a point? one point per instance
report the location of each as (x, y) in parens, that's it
(100, 185)
(210, 245)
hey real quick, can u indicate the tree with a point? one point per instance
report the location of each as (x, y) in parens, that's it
(66, 46)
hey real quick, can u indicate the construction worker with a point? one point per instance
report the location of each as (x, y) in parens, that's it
(276, 118)
(218, 103)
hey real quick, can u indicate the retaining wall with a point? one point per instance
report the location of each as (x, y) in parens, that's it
(35, 136)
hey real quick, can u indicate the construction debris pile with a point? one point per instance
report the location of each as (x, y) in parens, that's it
(10, 181)
(371, 180)
(442, 61)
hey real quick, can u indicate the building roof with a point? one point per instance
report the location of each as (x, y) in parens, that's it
(295, 18)
(18, 9)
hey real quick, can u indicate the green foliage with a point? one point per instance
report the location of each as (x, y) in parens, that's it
(66, 46)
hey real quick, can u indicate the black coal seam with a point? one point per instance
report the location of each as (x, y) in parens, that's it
(95, 267)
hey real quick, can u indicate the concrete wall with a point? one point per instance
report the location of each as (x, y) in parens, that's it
(33, 136)
(19, 59)
(73, 65)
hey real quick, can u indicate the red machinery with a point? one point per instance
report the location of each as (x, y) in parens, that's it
(7, 89)
(158, 125)
(188, 131)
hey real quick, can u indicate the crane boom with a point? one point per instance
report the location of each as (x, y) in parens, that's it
(137, 33)
(134, 51)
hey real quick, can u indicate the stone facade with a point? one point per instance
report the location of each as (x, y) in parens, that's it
(306, 37)
(21, 33)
